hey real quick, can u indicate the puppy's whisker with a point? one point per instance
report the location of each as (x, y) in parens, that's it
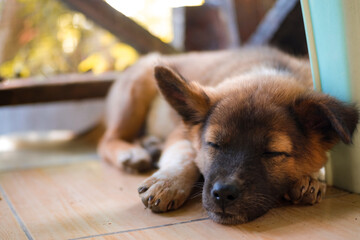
(199, 184)
(196, 194)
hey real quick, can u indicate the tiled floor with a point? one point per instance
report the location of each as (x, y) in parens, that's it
(91, 200)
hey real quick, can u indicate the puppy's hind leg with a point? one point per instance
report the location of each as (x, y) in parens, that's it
(127, 105)
(171, 185)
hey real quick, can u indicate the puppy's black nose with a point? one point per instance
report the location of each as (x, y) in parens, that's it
(224, 193)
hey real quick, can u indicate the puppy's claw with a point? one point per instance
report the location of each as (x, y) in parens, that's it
(170, 205)
(303, 190)
(142, 189)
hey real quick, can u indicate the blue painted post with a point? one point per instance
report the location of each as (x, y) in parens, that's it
(333, 36)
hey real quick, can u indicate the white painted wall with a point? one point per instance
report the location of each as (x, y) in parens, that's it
(76, 116)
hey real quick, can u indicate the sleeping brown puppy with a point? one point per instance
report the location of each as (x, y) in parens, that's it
(247, 120)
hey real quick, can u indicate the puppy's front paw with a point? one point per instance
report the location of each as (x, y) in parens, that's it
(306, 191)
(163, 192)
(135, 159)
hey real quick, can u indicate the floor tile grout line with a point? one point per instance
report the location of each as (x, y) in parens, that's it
(17, 217)
(141, 229)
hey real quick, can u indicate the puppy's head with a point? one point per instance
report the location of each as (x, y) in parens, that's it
(254, 140)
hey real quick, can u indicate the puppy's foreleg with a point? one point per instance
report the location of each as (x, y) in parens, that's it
(170, 186)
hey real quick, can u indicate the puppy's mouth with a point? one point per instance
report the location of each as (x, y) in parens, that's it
(232, 215)
(226, 218)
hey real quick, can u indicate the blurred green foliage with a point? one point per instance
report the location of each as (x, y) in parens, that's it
(55, 40)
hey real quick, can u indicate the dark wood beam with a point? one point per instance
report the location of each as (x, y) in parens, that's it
(207, 27)
(58, 88)
(249, 14)
(121, 26)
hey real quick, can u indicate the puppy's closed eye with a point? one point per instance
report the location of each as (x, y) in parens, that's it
(213, 145)
(269, 154)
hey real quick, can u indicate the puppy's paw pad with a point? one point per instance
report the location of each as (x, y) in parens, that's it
(163, 193)
(135, 160)
(307, 191)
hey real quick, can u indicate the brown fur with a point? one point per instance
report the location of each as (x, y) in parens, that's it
(247, 120)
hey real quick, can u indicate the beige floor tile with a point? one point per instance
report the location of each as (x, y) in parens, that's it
(91, 200)
(9, 227)
(334, 218)
(83, 199)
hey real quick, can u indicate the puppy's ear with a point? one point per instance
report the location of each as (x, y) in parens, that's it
(187, 98)
(327, 116)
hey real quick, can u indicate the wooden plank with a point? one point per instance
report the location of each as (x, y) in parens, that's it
(83, 199)
(249, 14)
(121, 26)
(334, 218)
(228, 13)
(57, 88)
(207, 28)
(9, 227)
(91, 200)
(204, 29)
